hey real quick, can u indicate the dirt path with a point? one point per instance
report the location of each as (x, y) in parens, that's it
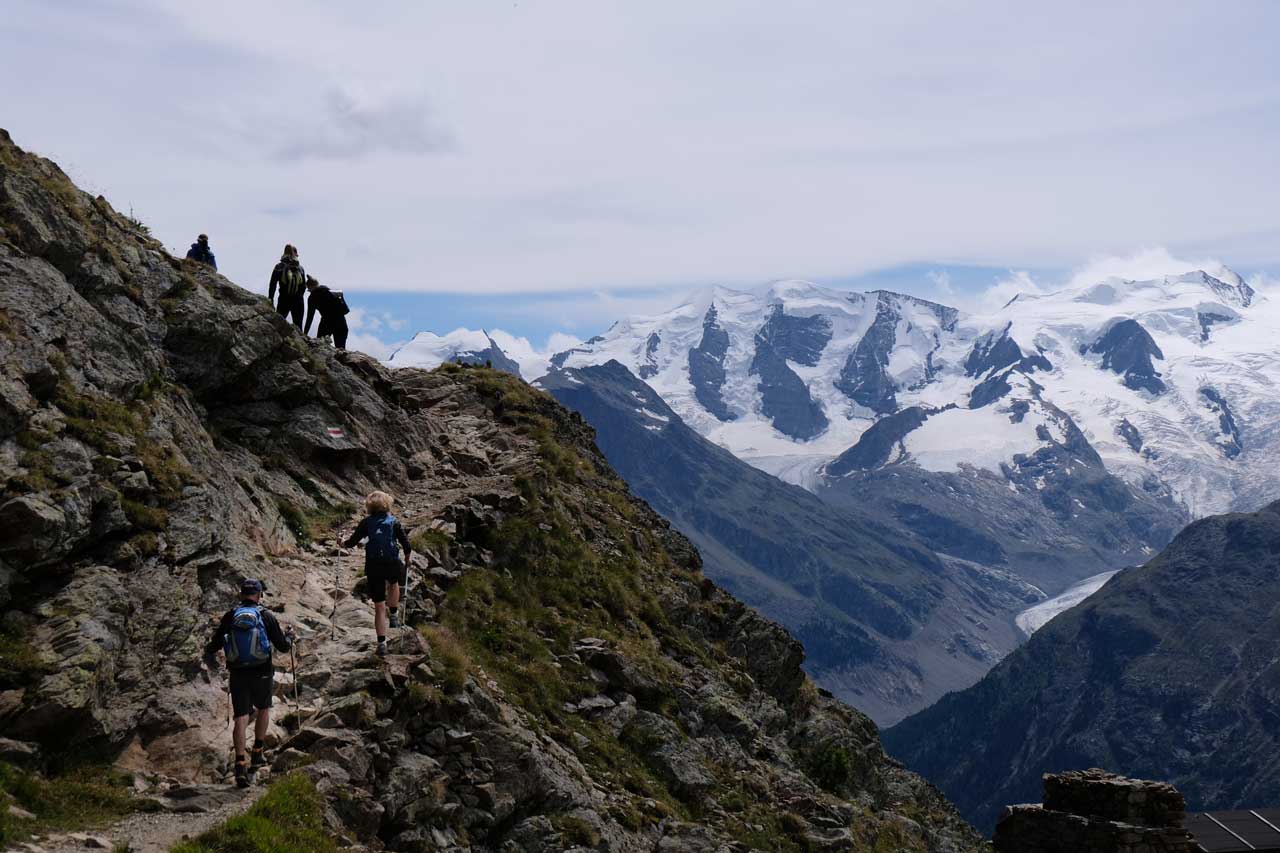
(159, 832)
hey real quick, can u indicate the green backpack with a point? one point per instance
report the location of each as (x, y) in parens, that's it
(292, 280)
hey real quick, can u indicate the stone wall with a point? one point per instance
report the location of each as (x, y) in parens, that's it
(1092, 811)
(1097, 793)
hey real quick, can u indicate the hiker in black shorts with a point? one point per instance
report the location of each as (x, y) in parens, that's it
(382, 564)
(246, 635)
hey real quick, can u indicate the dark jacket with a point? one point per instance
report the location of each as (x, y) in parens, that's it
(366, 527)
(331, 317)
(202, 253)
(278, 273)
(269, 621)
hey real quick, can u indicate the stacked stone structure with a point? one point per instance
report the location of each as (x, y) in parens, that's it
(1093, 811)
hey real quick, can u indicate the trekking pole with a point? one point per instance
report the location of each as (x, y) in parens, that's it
(293, 664)
(408, 580)
(337, 570)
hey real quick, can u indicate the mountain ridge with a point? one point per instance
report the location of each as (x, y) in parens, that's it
(1167, 672)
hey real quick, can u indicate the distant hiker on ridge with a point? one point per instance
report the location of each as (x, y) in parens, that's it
(292, 281)
(333, 309)
(382, 566)
(246, 634)
(201, 252)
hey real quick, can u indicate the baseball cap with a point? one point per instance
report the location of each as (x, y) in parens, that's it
(251, 586)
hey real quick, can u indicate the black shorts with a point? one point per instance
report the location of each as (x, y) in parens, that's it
(381, 574)
(251, 688)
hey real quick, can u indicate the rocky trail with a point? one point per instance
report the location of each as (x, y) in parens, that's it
(311, 590)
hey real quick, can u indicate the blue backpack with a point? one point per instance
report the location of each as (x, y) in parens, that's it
(382, 546)
(247, 644)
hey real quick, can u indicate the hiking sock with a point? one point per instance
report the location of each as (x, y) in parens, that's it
(242, 772)
(395, 617)
(258, 759)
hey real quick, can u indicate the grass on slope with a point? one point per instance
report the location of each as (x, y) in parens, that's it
(582, 561)
(288, 818)
(87, 796)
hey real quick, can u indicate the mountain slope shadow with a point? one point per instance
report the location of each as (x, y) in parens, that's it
(1167, 672)
(865, 596)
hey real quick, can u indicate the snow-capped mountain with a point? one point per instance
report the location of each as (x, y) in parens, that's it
(1021, 453)
(1174, 379)
(461, 345)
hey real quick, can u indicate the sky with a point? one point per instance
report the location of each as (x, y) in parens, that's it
(546, 167)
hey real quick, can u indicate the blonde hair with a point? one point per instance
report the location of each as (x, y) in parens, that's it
(378, 502)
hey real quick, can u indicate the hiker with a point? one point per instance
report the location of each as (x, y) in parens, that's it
(333, 309)
(292, 280)
(246, 635)
(201, 252)
(382, 564)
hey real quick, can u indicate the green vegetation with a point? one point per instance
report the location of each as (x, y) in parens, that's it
(86, 796)
(116, 429)
(20, 662)
(289, 818)
(420, 697)
(314, 525)
(146, 517)
(185, 286)
(576, 831)
(449, 656)
(567, 568)
(137, 224)
(829, 766)
(296, 521)
(430, 539)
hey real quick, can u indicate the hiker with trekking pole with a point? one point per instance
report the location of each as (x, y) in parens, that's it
(382, 566)
(246, 634)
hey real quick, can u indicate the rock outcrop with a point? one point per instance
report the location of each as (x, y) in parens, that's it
(572, 681)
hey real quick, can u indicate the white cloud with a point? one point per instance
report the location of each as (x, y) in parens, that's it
(371, 345)
(533, 361)
(361, 319)
(615, 146)
(1142, 265)
(944, 291)
(998, 295)
(344, 124)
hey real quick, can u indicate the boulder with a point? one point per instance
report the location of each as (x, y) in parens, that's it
(32, 530)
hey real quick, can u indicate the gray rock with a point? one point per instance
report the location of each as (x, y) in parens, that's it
(32, 530)
(19, 752)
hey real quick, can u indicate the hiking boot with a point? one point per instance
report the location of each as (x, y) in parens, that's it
(395, 619)
(256, 759)
(242, 773)
(381, 651)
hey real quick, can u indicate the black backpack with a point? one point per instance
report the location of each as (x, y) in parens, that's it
(340, 302)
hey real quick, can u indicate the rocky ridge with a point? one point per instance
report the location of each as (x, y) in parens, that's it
(573, 681)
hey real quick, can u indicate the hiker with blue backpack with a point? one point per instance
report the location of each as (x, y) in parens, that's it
(246, 636)
(382, 565)
(201, 252)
